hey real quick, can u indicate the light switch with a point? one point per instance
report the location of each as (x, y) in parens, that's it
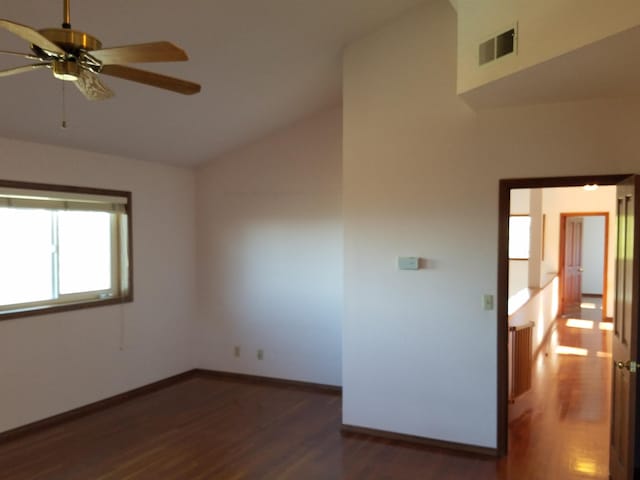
(487, 302)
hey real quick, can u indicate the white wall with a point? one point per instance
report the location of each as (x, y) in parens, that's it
(520, 201)
(421, 175)
(541, 309)
(53, 363)
(577, 200)
(547, 29)
(593, 255)
(518, 276)
(270, 255)
(415, 185)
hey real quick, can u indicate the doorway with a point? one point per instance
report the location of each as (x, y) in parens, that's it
(584, 260)
(506, 186)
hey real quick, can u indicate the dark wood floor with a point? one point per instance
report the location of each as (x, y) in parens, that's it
(208, 428)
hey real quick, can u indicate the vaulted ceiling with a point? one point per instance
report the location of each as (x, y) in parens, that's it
(262, 65)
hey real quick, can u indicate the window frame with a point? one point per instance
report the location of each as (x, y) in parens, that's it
(80, 301)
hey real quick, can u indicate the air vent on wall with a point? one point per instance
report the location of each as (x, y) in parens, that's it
(498, 46)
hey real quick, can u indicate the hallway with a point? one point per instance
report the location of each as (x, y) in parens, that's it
(563, 433)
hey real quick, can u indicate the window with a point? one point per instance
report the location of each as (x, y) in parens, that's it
(519, 237)
(62, 248)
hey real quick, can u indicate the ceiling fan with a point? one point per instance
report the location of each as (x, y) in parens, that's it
(78, 57)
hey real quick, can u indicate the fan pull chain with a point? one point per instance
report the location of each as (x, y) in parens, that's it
(64, 107)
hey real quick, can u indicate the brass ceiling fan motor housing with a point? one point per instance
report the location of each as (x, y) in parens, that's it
(71, 41)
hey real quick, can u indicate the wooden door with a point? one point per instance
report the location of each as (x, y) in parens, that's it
(625, 335)
(572, 268)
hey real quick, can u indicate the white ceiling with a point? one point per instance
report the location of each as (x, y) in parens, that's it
(262, 65)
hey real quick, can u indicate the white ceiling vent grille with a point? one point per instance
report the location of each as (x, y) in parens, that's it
(498, 46)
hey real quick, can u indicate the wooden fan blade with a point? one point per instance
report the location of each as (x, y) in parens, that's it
(23, 69)
(91, 87)
(150, 78)
(144, 52)
(28, 56)
(31, 36)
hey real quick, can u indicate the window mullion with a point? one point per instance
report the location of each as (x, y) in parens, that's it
(116, 274)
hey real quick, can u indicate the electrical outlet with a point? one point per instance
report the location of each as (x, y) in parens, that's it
(236, 351)
(260, 354)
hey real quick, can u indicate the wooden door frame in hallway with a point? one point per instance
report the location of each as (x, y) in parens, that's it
(605, 267)
(505, 187)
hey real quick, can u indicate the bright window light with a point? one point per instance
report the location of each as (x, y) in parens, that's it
(84, 251)
(606, 326)
(26, 256)
(519, 237)
(62, 248)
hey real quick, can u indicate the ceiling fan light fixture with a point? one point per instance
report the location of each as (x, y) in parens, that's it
(78, 57)
(68, 71)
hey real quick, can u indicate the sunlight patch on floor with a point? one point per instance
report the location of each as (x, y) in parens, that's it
(563, 350)
(590, 306)
(585, 466)
(578, 323)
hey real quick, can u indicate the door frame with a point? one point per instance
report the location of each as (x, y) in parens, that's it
(561, 259)
(505, 187)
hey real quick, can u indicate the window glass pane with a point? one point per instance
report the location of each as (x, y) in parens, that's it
(84, 249)
(519, 236)
(26, 256)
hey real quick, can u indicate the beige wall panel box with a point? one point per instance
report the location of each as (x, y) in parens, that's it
(409, 263)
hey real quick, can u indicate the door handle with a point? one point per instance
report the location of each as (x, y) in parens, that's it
(629, 365)
(580, 269)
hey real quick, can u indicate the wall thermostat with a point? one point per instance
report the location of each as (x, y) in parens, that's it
(409, 263)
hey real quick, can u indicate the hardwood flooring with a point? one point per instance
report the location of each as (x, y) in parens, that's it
(217, 428)
(206, 428)
(562, 428)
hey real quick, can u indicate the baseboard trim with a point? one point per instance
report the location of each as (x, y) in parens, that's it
(277, 382)
(351, 430)
(93, 407)
(60, 418)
